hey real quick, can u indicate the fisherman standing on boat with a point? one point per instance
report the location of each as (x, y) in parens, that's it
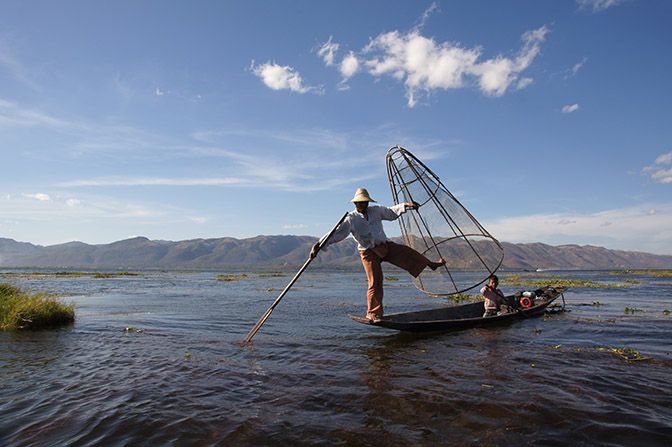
(492, 297)
(365, 224)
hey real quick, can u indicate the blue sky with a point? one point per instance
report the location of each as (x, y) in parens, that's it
(549, 120)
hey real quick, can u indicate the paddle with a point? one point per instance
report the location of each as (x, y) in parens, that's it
(291, 283)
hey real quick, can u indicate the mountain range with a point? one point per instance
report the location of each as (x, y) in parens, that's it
(290, 252)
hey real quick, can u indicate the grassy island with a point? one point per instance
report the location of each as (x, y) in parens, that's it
(24, 310)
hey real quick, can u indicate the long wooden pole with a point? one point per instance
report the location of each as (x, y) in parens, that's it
(291, 283)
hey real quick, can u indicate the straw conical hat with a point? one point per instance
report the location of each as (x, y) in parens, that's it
(362, 195)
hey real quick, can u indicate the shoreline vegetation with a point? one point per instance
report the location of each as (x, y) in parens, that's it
(20, 309)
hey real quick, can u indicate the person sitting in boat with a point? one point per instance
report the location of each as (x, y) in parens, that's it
(492, 297)
(365, 224)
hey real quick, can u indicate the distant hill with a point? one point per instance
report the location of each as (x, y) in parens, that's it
(289, 252)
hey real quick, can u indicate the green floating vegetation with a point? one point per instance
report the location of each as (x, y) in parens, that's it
(634, 281)
(254, 275)
(271, 274)
(632, 310)
(69, 274)
(23, 310)
(553, 309)
(464, 297)
(517, 281)
(223, 277)
(643, 272)
(628, 354)
(537, 274)
(112, 275)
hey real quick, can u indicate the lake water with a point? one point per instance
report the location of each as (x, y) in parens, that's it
(312, 376)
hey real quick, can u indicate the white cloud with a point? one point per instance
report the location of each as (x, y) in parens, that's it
(294, 227)
(281, 77)
(570, 109)
(627, 228)
(38, 196)
(598, 5)
(299, 159)
(349, 66)
(155, 181)
(15, 67)
(13, 115)
(159, 92)
(421, 63)
(327, 52)
(428, 12)
(657, 171)
(664, 159)
(662, 176)
(575, 69)
(105, 208)
(425, 65)
(523, 82)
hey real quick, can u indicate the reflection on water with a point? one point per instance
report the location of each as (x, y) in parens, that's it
(314, 377)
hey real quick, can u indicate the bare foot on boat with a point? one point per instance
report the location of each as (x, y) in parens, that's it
(436, 265)
(372, 318)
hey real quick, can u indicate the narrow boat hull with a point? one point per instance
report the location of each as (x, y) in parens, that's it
(466, 315)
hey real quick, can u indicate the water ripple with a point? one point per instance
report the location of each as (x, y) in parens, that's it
(313, 377)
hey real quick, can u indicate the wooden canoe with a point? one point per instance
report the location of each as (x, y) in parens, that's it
(466, 315)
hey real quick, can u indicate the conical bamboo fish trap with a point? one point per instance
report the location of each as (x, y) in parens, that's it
(440, 228)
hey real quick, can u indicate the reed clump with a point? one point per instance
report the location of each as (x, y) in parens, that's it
(23, 310)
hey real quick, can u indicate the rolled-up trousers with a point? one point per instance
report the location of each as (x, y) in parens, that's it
(400, 255)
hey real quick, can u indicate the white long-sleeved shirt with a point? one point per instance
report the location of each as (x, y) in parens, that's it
(367, 231)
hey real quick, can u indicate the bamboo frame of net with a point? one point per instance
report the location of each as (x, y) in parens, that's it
(442, 227)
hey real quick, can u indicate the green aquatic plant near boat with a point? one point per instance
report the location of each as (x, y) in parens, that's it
(23, 310)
